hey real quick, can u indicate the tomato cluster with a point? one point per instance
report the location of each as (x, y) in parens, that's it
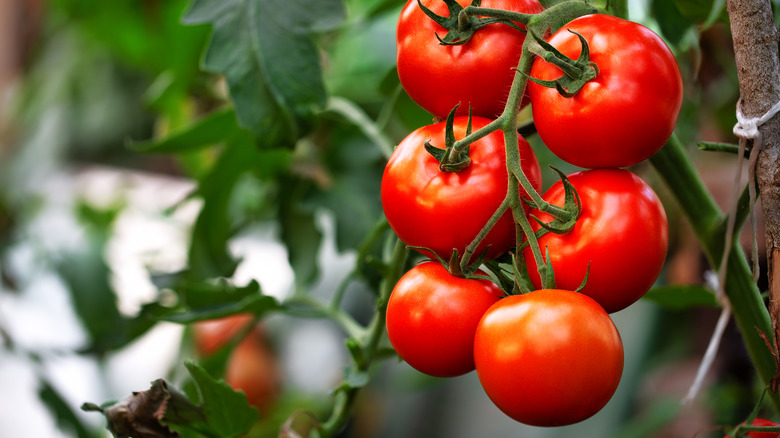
(551, 356)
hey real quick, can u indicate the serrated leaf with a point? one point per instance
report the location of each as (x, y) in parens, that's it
(227, 411)
(211, 129)
(266, 52)
(678, 297)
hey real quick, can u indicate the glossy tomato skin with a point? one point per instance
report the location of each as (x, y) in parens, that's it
(432, 316)
(444, 210)
(622, 232)
(478, 73)
(627, 112)
(548, 358)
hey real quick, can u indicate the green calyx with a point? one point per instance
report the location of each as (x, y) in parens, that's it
(576, 72)
(462, 23)
(565, 217)
(451, 159)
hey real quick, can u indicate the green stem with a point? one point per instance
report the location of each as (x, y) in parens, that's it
(344, 398)
(478, 11)
(750, 313)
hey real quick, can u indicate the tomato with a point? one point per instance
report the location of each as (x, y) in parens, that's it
(622, 232)
(213, 334)
(478, 73)
(252, 368)
(762, 423)
(444, 210)
(432, 316)
(548, 358)
(627, 112)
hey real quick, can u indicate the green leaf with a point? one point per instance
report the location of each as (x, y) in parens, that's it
(680, 297)
(299, 232)
(207, 300)
(266, 52)
(212, 129)
(61, 410)
(209, 255)
(227, 411)
(87, 275)
(670, 20)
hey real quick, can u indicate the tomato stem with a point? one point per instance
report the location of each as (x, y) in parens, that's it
(344, 397)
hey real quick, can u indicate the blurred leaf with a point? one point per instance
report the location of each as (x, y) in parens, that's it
(62, 412)
(147, 35)
(355, 167)
(672, 23)
(698, 10)
(203, 301)
(209, 256)
(87, 276)
(299, 231)
(227, 411)
(272, 66)
(680, 297)
(212, 129)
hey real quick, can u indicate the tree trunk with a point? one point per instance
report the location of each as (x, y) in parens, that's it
(756, 52)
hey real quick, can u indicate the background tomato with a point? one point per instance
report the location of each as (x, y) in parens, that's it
(549, 357)
(622, 232)
(443, 210)
(211, 335)
(627, 112)
(432, 316)
(478, 73)
(252, 368)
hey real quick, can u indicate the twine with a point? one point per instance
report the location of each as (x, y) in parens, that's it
(746, 129)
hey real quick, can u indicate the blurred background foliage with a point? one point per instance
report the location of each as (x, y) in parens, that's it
(164, 162)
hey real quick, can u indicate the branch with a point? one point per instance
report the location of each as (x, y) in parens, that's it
(758, 69)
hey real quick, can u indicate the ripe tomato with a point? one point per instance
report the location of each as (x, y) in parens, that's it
(252, 368)
(213, 334)
(478, 73)
(432, 316)
(622, 232)
(443, 210)
(548, 358)
(762, 423)
(627, 112)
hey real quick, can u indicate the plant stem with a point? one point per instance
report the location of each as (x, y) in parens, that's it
(345, 397)
(750, 313)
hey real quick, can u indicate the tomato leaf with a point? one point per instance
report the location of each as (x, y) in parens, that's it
(61, 409)
(267, 54)
(678, 297)
(210, 300)
(209, 256)
(211, 129)
(227, 411)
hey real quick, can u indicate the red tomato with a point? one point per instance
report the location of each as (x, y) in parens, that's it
(548, 358)
(432, 316)
(478, 73)
(252, 368)
(622, 232)
(762, 423)
(213, 334)
(444, 210)
(627, 112)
